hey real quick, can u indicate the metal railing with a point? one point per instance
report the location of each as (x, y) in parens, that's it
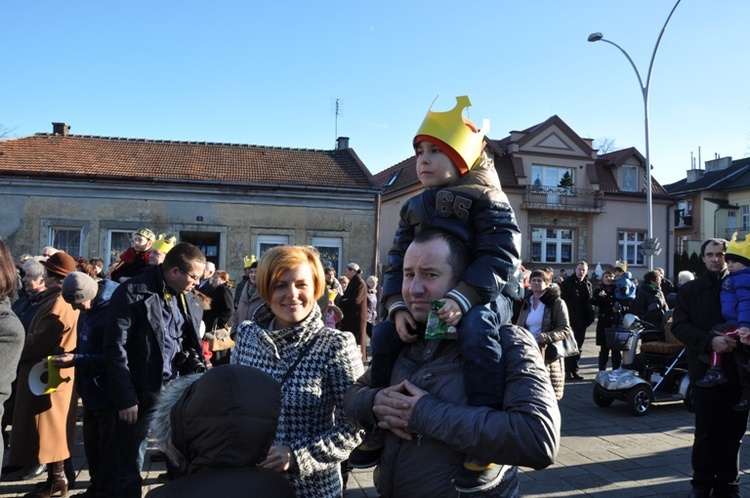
(564, 199)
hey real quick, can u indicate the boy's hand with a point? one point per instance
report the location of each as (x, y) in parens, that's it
(744, 333)
(450, 312)
(405, 323)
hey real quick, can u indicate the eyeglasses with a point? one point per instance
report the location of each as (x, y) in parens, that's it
(195, 279)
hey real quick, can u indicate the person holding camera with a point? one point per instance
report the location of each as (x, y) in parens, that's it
(151, 338)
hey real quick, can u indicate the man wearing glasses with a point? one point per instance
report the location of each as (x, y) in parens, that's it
(151, 338)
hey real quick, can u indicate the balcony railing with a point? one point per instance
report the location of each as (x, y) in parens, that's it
(563, 199)
(682, 220)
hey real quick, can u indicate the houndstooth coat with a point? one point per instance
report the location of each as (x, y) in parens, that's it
(312, 396)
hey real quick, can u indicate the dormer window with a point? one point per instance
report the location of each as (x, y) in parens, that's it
(629, 181)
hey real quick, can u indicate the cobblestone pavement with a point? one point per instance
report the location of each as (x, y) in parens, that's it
(605, 452)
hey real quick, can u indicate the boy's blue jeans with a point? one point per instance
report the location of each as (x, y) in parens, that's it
(478, 342)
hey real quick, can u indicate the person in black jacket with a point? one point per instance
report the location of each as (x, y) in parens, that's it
(151, 338)
(718, 427)
(604, 299)
(577, 292)
(649, 304)
(92, 385)
(219, 427)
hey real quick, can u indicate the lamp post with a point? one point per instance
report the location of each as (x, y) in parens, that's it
(652, 244)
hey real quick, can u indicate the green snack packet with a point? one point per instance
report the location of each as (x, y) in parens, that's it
(437, 328)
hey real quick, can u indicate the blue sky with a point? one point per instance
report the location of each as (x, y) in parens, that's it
(268, 73)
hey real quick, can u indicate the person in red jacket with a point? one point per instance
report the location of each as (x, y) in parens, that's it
(135, 258)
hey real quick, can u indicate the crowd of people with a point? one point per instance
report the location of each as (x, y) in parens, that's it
(262, 391)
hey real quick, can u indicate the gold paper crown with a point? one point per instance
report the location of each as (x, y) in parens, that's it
(741, 249)
(145, 232)
(249, 261)
(164, 243)
(623, 265)
(452, 129)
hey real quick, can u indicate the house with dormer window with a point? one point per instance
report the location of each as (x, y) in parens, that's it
(571, 203)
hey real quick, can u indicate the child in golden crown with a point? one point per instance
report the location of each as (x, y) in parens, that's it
(735, 308)
(463, 197)
(135, 258)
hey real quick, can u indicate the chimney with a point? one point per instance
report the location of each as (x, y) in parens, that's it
(61, 129)
(694, 175)
(342, 143)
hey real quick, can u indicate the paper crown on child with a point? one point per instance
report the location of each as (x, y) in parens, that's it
(739, 251)
(44, 377)
(145, 232)
(455, 135)
(249, 262)
(621, 264)
(164, 243)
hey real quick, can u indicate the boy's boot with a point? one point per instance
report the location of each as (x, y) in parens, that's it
(367, 454)
(744, 404)
(714, 377)
(475, 476)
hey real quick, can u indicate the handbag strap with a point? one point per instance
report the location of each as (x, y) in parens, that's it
(303, 352)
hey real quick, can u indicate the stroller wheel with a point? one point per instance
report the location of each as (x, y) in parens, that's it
(640, 399)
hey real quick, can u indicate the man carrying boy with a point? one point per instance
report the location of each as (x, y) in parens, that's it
(718, 427)
(462, 197)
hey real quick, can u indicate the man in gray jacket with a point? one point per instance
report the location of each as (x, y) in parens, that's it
(429, 427)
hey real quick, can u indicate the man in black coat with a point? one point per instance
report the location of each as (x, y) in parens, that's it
(577, 293)
(718, 428)
(153, 322)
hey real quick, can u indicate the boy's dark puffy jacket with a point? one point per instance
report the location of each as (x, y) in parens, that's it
(91, 374)
(476, 211)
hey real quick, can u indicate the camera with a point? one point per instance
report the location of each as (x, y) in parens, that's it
(188, 361)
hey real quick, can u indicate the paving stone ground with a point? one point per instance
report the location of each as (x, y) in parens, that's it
(604, 453)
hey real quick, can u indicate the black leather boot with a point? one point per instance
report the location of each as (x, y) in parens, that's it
(56, 483)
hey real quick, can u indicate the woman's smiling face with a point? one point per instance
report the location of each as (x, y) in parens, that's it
(293, 296)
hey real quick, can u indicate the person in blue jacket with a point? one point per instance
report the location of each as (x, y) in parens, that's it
(99, 413)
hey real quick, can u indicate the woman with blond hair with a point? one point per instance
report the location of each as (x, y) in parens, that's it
(315, 365)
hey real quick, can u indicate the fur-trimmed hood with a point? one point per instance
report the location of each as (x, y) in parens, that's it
(226, 417)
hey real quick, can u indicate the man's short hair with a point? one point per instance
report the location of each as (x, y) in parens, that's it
(582, 262)
(713, 240)
(460, 254)
(183, 256)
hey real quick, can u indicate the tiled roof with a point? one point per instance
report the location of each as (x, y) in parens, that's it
(162, 160)
(734, 177)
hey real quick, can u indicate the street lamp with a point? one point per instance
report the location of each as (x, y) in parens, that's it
(595, 37)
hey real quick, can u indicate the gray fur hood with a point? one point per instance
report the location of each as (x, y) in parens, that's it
(226, 417)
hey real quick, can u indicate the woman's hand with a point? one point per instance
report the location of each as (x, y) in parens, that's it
(279, 458)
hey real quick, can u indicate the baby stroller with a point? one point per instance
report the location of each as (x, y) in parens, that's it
(657, 374)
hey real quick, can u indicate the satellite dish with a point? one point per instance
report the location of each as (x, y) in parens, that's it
(44, 377)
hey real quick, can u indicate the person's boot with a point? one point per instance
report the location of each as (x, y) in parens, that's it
(475, 476)
(744, 404)
(56, 483)
(714, 377)
(70, 472)
(367, 454)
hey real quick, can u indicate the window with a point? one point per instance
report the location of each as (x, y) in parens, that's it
(731, 221)
(330, 251)
(265, 242)
(549, 176)
(745, 217)
(552, 245)
(68, 239)
(117, 242)
(629, 180)
(628, 245)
